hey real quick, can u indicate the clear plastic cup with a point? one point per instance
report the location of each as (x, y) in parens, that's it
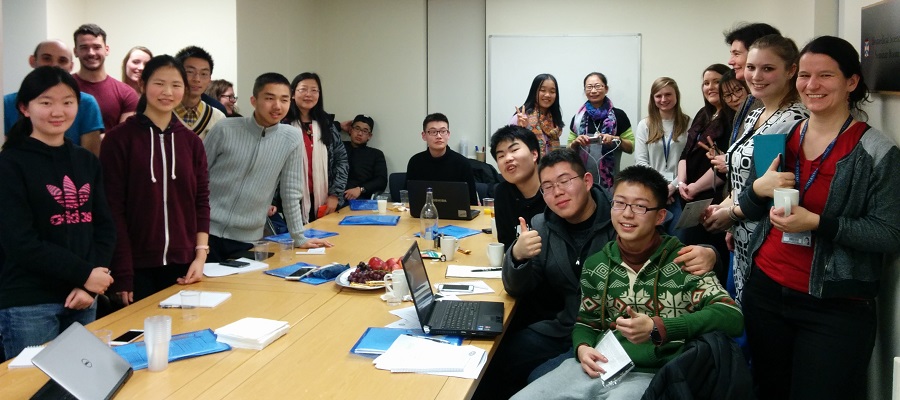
(157, 335)
(190, 301)
(286, 250)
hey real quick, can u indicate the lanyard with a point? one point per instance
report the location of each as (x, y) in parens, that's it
(667, 145)
(815, 173)
(740, 117)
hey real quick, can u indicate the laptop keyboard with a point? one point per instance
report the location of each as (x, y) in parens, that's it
(459, 315)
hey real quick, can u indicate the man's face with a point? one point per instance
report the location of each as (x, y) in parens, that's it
(360, 133)
(272, 103)
(565, 192)
(516, 162)
(738, 58)
(199, 75)
(436, 134)
(91, 51)
(53, 54)
(630, 225)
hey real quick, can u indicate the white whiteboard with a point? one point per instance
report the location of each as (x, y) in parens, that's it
(514, 61)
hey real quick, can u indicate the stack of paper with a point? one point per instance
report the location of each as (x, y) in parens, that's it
(23, 360)
(252, 333)
(415, 354)
(375, 341)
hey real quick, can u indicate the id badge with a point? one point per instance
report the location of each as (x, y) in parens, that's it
(668, 176)
(800, 238)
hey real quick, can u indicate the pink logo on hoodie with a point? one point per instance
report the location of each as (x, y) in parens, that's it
(71, 199)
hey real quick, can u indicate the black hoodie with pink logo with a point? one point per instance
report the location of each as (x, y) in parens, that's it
(55, 225)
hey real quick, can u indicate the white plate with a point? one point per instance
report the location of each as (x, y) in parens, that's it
(344, 280)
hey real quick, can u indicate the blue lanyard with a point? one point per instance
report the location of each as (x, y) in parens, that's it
(667, 146)
(740, 117)
(815, 173)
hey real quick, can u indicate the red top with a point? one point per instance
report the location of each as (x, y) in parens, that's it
(789, 264)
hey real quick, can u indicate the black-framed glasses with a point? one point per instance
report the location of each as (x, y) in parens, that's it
(435, 132)
(635, 208)
(231, 98)
(564, 183)
(363, 130)
(734, 94)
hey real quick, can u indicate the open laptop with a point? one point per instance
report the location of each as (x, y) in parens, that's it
(450, 198)
(463, 318)
(80, 366)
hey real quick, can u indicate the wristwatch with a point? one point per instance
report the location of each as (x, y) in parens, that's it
(362, 190)
(655, 336)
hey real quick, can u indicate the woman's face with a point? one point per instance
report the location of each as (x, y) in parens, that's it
(822, 86)
(711, 87)
(227, 98)
(135, 65)
(306, 95)
(546, 95)
(52, 112)
(767, 75)
(734, 94)
(665, 99)
(164, 90)
(595, 89)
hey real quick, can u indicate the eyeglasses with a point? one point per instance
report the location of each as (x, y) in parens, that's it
(193, 72)
(734, 94)
(231, 98)
(435, 132)
(563, 184)
(307, 90)
(635, 208)
(590, 88)
(363, 130)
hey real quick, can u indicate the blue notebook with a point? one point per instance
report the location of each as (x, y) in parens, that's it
(375, 341)
(309, 233)
(386, 220)
(765, 149)
(455, 231)
(182, 346)
(363, 205)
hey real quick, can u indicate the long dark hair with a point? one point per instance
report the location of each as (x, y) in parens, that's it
(317, 113)
(531, 101)
(154, 64)
(36, 83)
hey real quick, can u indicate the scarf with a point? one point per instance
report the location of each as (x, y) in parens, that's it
(319, 170)
(603, 119)
(546, 131)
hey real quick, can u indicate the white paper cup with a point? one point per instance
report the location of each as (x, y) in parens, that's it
(495, 254)
(157, 334)
(382, 206)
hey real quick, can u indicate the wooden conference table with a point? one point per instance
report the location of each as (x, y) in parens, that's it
(313, 360)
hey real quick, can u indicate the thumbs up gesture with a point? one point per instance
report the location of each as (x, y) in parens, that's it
(634, 326)
(764, 186)
(529, 243)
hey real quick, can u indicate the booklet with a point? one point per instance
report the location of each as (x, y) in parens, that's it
(619, 362)
(182, 346)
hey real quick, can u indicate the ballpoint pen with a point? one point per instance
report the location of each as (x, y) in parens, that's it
(487, 270)
(428, 338)
(170, 306)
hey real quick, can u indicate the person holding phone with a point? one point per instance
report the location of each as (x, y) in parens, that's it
(815, 272)
(56, 229)
(158, 189)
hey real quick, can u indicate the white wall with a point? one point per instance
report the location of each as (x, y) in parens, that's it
(25, 20)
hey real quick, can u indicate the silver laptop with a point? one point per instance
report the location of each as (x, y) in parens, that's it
(80, 366)
(463, 318)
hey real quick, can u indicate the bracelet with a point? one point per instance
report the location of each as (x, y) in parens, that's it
(731, 214)
(202, 248)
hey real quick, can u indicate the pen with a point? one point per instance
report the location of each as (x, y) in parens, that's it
(487, 270)
(170, 306)
(428, 338)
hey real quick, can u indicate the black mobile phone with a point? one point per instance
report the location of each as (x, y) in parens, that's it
(451, 287)
(127, 337)
(300, 273)
(234, 263)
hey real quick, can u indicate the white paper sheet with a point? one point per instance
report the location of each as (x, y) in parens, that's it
(214, 270)
(468, 271)
(478, 287)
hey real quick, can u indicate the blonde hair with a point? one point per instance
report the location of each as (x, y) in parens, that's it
(654, 118)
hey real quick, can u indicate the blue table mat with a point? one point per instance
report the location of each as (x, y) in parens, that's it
(387, 220)
(455, 231)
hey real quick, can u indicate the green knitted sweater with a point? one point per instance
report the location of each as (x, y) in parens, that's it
(688, 305)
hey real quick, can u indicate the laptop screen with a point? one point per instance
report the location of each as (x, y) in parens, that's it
(419, 286)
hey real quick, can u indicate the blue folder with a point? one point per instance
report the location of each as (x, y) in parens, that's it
(363, 205)
(375, 341)
(182, 346)
(765, 149)
(386, 220)
(455, 231)
(324, 274)
(309, 233)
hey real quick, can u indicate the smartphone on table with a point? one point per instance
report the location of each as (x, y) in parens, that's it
(300, 273)
(127, 337)
(454, 287)
(234, 263)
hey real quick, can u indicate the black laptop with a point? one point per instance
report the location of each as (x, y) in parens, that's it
(463, 318)
(450, 198)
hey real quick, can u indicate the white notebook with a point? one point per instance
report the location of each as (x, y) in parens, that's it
(207, 300)
(414, 354)
(23, 360)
